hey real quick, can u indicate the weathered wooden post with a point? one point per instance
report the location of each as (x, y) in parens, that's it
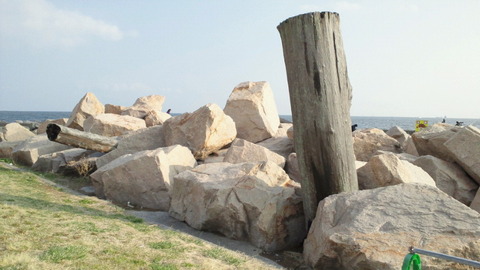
(320, 98)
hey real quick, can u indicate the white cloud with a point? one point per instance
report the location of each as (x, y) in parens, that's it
(41, 23)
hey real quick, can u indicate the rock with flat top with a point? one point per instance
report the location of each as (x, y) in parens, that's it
(252, 107)
(373, 229)
(155, 117)
(430, 140)
(387, 169)
(135, 141)
(111, 125)
(144, 105)
(15, 132)
(245, 151)
(254, 201)
(115, 109)
(366, 143)
(144, 179)
(281, 145)
(27, 152)
(449, 177)
(88, 106)
(464, 148)
(204, 131)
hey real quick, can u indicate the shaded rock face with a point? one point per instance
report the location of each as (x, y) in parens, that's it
(252, 107)
(112, 125)
(387, 169)
(88, 106)
(251, 201)
(372, 229)
(464, 148)
(14, 132)
(429, 141)
(292, 168)
(55, 161)
(475, 205)
(204, 131)
(28, 151)
(144, 105)
(245, 151)
(6, 148)
(366, 142)
(135, 141)
(143, 179)
(449, 177)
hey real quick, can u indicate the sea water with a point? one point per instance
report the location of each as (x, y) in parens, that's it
(406, 123)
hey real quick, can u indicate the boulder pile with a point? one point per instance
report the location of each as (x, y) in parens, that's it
(234, 171)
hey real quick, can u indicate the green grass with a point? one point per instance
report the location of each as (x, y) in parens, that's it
(42, 227)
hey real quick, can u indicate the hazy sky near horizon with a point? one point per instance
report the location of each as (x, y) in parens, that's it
(405, 57)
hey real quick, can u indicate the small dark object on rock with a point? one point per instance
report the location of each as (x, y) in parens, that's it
(459, 124)
(354, 127)
(168, 111)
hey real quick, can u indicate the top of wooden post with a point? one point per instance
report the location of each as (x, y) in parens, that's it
(311, 14)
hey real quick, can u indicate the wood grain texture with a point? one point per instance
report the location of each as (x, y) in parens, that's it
(320, 97)
(81, 139)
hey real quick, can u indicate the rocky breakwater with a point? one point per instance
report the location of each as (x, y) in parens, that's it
(234, 171)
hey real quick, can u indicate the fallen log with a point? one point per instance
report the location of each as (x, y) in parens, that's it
(81, 139)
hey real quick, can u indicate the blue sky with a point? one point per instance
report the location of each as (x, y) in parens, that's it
(405, 58)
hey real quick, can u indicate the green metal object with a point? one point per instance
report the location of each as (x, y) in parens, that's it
(410, 260)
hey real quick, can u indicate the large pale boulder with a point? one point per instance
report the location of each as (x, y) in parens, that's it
(373, 229)
(252, 106)
(204, 131)
(111, 125)
(155, 117)
(244, 151)
(29, 150)
(464, 147)
(366, 142)
(430, 140)
(135, 141)
(144, 179)
(398, 134)
(143, 105)
(387, 169)
(88, 106)
(15, 132)
(449, 177)
(250, 201)
(42, 128)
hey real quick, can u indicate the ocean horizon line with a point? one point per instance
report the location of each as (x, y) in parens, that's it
(372, 116)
